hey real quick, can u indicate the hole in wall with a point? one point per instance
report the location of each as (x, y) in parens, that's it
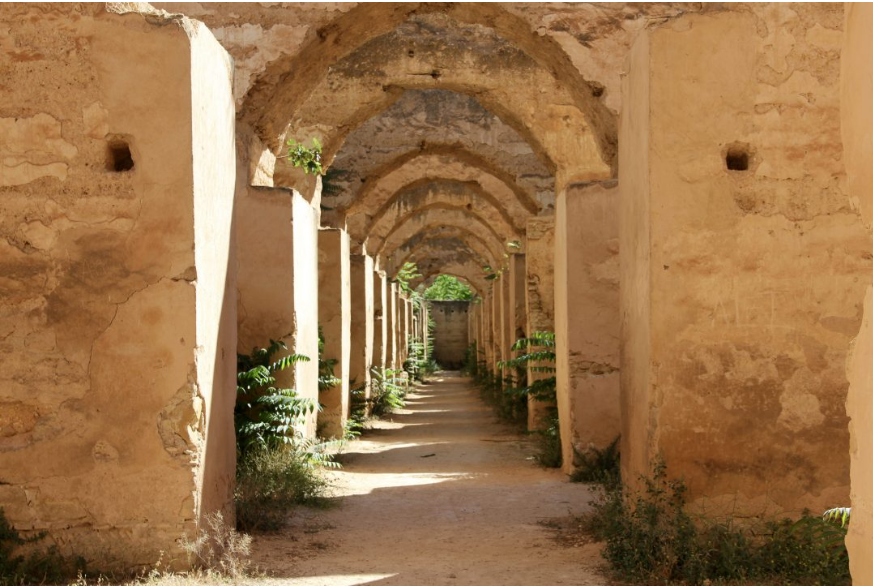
(737, 157)
(118, 157)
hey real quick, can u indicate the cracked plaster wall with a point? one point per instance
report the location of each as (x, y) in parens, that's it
(94, 262)
(744, 288)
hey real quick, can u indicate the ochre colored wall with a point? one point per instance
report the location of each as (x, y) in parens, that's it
(362, 326)
(587, 317)
(96, 261)
(539, 297)
(752, 278)
(334, 320)
(450, 333)
(856, 93)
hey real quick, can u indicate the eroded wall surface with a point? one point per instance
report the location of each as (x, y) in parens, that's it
(587, 317)
(745, 276)
(856, 81)
(539, 297)
(450, 333)
(334, 320)
(362, 326)
(107, 203)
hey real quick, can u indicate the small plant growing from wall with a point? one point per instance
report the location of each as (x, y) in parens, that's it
(406, 274)
(307, 158)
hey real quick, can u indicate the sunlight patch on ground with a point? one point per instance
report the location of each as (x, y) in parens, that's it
(352, 579)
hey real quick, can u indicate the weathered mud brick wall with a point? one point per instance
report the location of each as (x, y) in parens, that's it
(116, 183)
(744, 260)
(335, 319)
(857, 121)
(362, 325)
(450, 333)
(539, 296)
(587, 317)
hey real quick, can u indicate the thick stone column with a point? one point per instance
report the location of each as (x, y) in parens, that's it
(362, 344)
(334, 318)
(381, 309)
(539, 298)
(391, 323)
(118, 296)
(743, 264)
(857, 118)
(587, 317)
(496, 326)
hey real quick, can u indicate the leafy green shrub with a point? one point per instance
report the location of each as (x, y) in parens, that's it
(387, 391)
(326, 377)
(22, 563)
(448, 288)
(652, 539)
(270, 482)
(265, 415)
(538, 355)
(307, 158)
(599, 465)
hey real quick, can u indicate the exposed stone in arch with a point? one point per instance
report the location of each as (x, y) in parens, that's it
(287, 83)
(428, 118)
(468, 60)
(416, 223)
(431, 165)
(437, 197)
(443, 237)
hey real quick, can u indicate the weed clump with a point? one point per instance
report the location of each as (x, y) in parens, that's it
(652, 539)
(599, 465)
(270, 482)
(24, 563)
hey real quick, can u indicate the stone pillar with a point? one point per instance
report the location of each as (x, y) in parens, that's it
(741, 273)
(856, 92)
(362, 344)
(381, 310)
(118, 303)
(497, 326)
(334, 318)
(587, 317)
(391, 359)
(539, 298)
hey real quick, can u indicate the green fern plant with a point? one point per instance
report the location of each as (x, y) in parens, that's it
(326, 377)
(405, 274)
(538, 355)
(841, 515)
(387, 391)
(307, 158)
(265, 415)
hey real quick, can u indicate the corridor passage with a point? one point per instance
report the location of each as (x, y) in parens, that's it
(439, 493)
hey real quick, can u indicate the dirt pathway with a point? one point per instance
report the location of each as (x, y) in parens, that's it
(441, 494)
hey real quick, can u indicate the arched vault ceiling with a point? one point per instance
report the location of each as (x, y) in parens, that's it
(449, 246)
(428, 194)
(286, 83)
(432, 215)
(433, 52)
(454, 218)
(444, 236)
(430, 265)
(379, 191)
(439, 117)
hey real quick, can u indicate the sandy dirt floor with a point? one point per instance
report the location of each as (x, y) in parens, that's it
(439, 493)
